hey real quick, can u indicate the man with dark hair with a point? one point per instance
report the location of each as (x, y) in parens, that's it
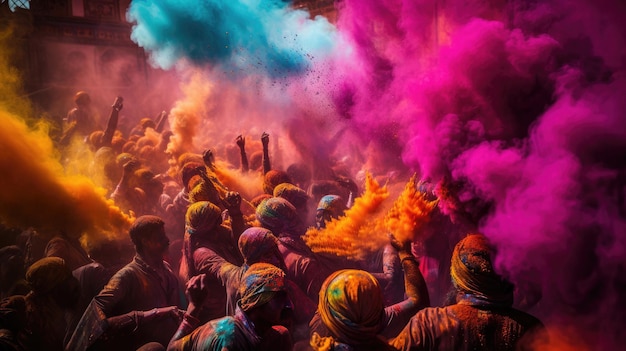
(79, 120)
(482, 318)
(115, 319)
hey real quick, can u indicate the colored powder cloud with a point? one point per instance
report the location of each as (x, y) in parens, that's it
(36, 191)
(240, 37)
(519, 105)
(354, 234)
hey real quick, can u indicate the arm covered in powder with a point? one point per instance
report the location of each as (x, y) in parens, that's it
(398, 315)
(265, 140)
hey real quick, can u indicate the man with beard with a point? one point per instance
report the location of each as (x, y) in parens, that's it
(140, 302)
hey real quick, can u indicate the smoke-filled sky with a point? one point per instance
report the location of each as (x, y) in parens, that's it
(519, 105)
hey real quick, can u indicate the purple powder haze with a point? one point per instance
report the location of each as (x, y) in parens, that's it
(522, 106)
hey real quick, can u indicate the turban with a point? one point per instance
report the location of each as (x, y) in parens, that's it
(204, 192)
(277, 215)
(296, 196)
(334, 204)
(147, 123)
(188, 171)
(473, 273)
(255, 242)
(273, 178)
(201, 217)
(258, 199)
(82, 98)
(259, 285)
(47, 273)
(351, 306)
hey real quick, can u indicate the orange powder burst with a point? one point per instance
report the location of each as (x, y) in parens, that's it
(247, 185)
(409, 212)
(186, 116)
(353, 235)
(37, 193)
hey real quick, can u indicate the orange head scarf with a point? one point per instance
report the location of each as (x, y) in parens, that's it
(473, 274)
(351, 306)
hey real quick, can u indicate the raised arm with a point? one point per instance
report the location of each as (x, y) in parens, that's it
(118, 104)
(196, 292)
(398, 315)
(232, 203)
(265, 140)
(161, 121)
(241, 142)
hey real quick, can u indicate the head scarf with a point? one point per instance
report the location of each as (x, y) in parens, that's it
(273, 178)
(259, 285)
(255, 242)
(351, 306)
(147, 123)
(201, 217)
(188, 171)
(472, 272)
(82, 98)
(296, 196)
(47, 273)
(278, 215)
(333, 204)
(258, 199)
(204, 192)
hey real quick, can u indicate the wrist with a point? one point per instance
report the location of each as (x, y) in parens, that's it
(403, 255)
(234, 212)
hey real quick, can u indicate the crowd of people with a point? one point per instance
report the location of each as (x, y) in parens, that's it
(206, 266)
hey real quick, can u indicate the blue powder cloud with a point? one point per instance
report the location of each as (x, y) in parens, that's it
(238, 36)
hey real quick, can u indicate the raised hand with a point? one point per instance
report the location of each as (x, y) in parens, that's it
(232, 202)
(130, 166)
(208, 157)
(196, 290)
(241, 141)
(118, 104)
(400, 246)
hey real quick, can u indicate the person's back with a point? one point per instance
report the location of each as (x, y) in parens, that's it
(482, 318)
(465, 327)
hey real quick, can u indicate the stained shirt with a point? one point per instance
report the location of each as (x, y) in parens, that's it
(302, 266)
(208, 259)
(136, 287)
(232, 333)
(467, 326)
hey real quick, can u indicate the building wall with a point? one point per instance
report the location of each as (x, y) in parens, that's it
(73, 45)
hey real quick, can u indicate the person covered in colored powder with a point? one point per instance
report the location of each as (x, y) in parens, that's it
(263, 307)
(302, 265)
(259, 245)
(48, 306)
(206, 244)
(482, 318)
(351, 311)
(140, 303)
(79, 120)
